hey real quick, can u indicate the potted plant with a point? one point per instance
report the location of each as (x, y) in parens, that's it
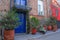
(49, 27)
(45, 27)
(48, 24)
(34, 23)
(9, 22)
(53, 23)
(42, 29)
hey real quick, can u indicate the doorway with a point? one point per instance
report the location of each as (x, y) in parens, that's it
(22, 27)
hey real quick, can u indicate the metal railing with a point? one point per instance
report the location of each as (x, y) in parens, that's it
(24, 7)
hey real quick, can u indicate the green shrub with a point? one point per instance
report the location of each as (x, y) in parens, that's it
(10, 20)
(34, 22)
(51, 21)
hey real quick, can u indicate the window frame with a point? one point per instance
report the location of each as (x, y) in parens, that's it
(41, 13)
(21, 2)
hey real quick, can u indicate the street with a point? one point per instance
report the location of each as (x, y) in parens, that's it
(55, 36)
(52, 37)
(48, 36)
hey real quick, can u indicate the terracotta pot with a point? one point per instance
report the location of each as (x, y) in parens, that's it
(55, 28)
(8, 34)
(49, 27)
(45, 27)
(34, 30)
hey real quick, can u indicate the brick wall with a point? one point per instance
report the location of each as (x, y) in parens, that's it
(33, 4)
(4, 5)
(34, 11)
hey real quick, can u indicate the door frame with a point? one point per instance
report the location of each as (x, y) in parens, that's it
(25, 19)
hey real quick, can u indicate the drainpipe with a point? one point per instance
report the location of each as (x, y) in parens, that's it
(2, 34)
(27, 19)
(10, 4)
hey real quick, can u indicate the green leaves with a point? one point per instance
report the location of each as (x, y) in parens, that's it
(51, 21)
(41, 28)
(34, 22)
(10, 20)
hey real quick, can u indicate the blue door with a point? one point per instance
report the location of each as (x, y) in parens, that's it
(22, 27)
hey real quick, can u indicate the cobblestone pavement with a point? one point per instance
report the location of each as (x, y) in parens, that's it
(48, 36)
(55, 36)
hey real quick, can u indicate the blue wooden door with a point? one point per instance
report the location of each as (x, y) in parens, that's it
(22, 27)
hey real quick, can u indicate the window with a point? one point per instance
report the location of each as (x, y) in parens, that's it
(40, 8)
(20, 2)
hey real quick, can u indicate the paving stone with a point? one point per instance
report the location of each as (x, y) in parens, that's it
(50, 35)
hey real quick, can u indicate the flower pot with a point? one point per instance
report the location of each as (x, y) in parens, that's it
(55, 28)
(34, 30)
(49, 28)
(8, 34)
(45, 27)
